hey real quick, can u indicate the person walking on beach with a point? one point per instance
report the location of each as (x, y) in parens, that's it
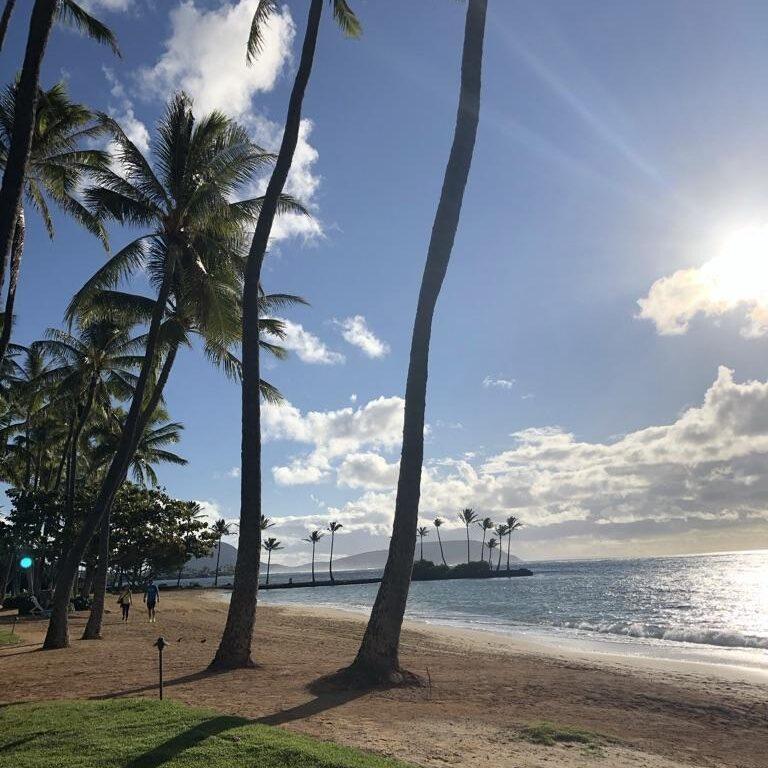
(151, 598)
(124, 601)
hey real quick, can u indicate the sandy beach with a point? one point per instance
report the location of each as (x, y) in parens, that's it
(484, 689)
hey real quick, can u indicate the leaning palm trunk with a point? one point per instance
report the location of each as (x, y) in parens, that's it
(40, 24)
(58, 629)
(442, 554)
(218, 557)
(5, 19)
(378, 657)
(235, 646)
(17, 251)
(96, 616)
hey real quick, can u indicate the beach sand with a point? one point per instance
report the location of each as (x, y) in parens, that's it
(484, 689)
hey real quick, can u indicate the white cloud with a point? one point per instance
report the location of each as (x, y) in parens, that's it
(107, 5)
(308, 347)
(737, 278)
(356, 332)
(205, 56)
(498, 382)
(367, 470)
(134, 129)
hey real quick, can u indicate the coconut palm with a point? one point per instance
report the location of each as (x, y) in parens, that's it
(269, 546)
(437, 522)
(219, 529)
(44, 13)
(265, 522)
(422, 531)
(467, 517)
(501, 531)
(333, 527)
(56, 167)
(492, 544)
(485, 525)
(513, 523)
(378, 656)
(193, 258)
(235, 647)
(312, 539)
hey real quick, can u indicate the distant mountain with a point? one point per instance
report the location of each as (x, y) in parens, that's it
(455, 552)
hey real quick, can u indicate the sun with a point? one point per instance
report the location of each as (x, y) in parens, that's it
(739, 273)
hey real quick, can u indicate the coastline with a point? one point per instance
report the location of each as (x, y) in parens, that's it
(484, 691)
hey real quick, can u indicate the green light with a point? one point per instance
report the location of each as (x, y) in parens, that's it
(25, 562)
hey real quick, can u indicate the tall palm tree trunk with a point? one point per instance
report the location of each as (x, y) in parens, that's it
(501, 552)
(71, 483)
(40, 25)
(235, 647)
(468, 556)
(330, 562)
(313, 562)
(378, 657)
(269, 562)
(58, 629)
(17, 250)
(5, 20)
(421, 552)
(218, 557)
(509, 546)
(440, 542)
(96, 616)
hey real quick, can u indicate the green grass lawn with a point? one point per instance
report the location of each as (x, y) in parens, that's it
(140, 733)
(6, 638)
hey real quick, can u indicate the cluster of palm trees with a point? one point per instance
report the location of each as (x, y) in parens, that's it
(195, 251)
(468, 517)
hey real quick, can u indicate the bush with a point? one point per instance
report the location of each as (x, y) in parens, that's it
(477, 569)
(21, 603)
(426, 569)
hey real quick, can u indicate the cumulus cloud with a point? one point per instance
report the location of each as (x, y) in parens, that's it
(106, 5)
(205, 56)
(356, 332)
(498, 382)
(308, 347)
(737, 278)
(332, 435)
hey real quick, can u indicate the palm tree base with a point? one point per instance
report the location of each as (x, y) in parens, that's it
(91, 636)
(360, 675)
(224, 663)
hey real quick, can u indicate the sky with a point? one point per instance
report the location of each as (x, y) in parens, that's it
(599, 361)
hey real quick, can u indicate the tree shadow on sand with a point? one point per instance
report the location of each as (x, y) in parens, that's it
(190, 678)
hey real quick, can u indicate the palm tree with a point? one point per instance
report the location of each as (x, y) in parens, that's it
(269, 546)
(333, 527)
(44, 13)
(513, 524)
(235, 647)
(265, 522)
(5, 20)
(312, 539)
(378, 656)
(422, 531)
(492, 544)
(501, 531)
(193, 258)
(56, 167)
(486, 524)
(437, 522)
(220, 528)
(468, 516)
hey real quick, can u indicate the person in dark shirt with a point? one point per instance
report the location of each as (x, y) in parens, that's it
(151, 598)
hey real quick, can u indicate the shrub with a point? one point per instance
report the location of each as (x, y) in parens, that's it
(426, 569)
(477, 569)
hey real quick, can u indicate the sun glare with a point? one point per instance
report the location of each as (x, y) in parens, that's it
(740, 271)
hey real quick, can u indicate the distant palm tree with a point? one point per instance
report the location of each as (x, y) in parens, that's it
(485, 525)
(468, 516)
(333, 526)
(270, 545)
(422, 531)
(501, 531)
(220, 529)
(492, 544)
(312, 539)
(265, 522)
(513, 524)
(437, 522)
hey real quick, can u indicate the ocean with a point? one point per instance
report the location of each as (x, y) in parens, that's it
(711, 608)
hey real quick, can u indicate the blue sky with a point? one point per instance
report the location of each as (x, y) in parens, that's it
(621, 157)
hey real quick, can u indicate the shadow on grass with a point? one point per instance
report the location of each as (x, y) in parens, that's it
(165, 752)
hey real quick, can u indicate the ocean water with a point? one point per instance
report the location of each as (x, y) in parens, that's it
(703, 607)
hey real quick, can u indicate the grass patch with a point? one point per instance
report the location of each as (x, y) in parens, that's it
(140, 733)
(550, 734)
(6, 638)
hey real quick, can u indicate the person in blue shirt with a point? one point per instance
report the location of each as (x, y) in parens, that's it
(151, 598)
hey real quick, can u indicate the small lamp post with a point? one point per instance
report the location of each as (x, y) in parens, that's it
(160, 644)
